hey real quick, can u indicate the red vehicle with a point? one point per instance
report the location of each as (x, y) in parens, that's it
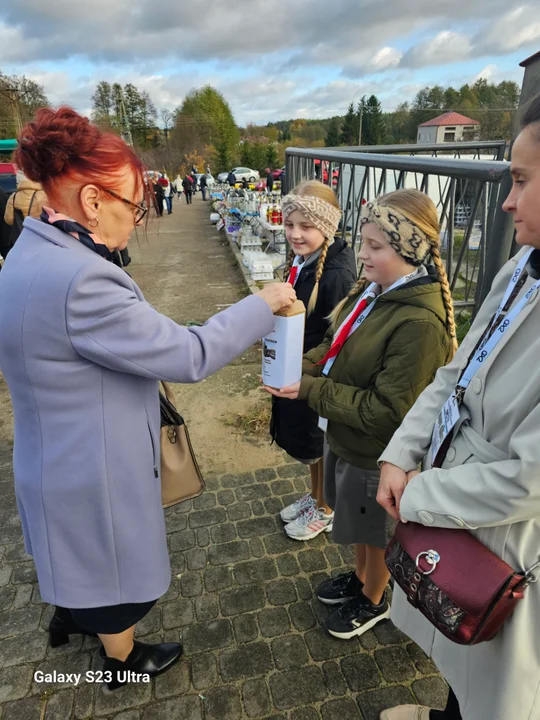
(8, 177)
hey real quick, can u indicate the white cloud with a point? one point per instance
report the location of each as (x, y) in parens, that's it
(517, 28)
(487, 73)
(446, 47)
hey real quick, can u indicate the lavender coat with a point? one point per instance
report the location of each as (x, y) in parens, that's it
(82, 353)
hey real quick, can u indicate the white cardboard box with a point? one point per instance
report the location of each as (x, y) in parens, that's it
(283, 349)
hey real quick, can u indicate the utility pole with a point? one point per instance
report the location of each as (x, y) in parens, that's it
(361, 113)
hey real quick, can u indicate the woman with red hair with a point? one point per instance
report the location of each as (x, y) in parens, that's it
(82, 353)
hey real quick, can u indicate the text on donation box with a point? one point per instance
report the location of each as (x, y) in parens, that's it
(283, 349)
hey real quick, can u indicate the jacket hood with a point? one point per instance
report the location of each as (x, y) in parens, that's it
(424, 293)
(27, 184)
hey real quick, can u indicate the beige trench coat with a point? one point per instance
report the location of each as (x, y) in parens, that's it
(489, 484)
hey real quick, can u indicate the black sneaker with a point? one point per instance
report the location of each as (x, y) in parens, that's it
(339, 589)
(356, 617)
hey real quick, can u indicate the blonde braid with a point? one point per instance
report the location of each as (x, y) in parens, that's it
(318, 275)
(289, 264)
(446, 293)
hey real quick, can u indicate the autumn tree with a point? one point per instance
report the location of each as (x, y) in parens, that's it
(206, 116)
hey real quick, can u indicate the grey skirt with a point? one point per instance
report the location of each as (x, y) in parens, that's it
(351, 493)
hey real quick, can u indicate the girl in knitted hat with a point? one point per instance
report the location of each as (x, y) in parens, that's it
(322, 270)
(387, 340)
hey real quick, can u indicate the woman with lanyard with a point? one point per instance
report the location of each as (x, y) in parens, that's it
(391, 335)
(481, 471)
(322, 270)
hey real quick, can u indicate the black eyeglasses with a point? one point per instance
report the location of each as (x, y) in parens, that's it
(139, 211)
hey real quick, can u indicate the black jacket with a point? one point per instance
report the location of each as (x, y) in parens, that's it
(231, 178)
(202, 181)
(294, 424)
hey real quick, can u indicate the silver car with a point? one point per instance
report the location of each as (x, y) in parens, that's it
(241, 173)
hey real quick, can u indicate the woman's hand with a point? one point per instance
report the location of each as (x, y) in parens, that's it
(391, 486)
(279, 296)
(290, 392)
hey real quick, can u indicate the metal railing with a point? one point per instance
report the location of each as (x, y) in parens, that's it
(476, 234)
(476, 150)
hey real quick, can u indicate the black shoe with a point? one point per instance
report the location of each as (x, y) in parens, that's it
(62, 626)
(356, 617)
(339, 589)
(144, 659)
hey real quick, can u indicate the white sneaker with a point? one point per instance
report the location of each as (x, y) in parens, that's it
(310, 524)
(406, 712)
(291, 512)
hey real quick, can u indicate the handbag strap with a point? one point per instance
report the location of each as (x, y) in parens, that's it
(168, 392)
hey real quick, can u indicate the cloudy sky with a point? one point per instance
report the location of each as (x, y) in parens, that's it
(272, 60)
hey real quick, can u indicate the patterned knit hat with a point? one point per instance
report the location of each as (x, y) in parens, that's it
(324, 216)
(403, 235)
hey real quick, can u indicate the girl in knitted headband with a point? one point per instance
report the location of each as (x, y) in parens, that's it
(407, 221)
(387, 342)
(316, 206)
(322, 270)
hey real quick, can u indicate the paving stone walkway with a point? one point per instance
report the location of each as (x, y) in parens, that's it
(241, 601)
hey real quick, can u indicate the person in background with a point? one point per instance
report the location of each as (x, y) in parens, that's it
(168, 193)
(204, 185)
(177, 184)
(388, 338)
(245, 184)
(269, 180)
(231, 179)
(187, 184)
(322, 270)
(159, 196)
(26, 201)
(82, 353)
(485, 476)
(208, 169)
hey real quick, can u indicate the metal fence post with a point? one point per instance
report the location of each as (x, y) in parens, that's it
(499, 241)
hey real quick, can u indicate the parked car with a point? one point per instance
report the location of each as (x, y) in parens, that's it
(8, 177)
(240, 173)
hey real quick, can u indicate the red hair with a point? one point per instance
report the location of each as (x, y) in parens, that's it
(61, 146)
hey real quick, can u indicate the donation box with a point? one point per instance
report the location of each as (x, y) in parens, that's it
(283, 349)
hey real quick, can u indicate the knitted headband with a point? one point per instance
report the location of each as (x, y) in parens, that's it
(403, 235)
(325, 217)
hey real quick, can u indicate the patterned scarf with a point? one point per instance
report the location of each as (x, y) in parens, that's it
(403, 235)
(80, 233)
(325, 217)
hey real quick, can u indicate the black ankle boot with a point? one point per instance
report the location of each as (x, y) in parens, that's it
(62, 626)
(144, 659)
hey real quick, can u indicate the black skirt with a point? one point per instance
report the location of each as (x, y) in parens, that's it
(111, 619)
(295, 428)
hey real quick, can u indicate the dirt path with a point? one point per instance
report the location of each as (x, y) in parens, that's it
(186, 270)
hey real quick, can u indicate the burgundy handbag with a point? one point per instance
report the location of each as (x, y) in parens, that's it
(456, 582)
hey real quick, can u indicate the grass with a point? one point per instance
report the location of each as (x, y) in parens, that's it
(254, 421)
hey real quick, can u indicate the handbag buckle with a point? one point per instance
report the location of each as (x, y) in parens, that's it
(432, 558)
(171, 434)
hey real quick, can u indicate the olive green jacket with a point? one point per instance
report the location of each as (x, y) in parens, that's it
(381, 370)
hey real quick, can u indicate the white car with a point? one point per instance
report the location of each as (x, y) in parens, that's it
(241, 173)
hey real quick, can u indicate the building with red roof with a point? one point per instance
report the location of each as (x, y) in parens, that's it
(450, 127)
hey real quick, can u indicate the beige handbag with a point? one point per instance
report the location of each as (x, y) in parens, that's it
(181, 478)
